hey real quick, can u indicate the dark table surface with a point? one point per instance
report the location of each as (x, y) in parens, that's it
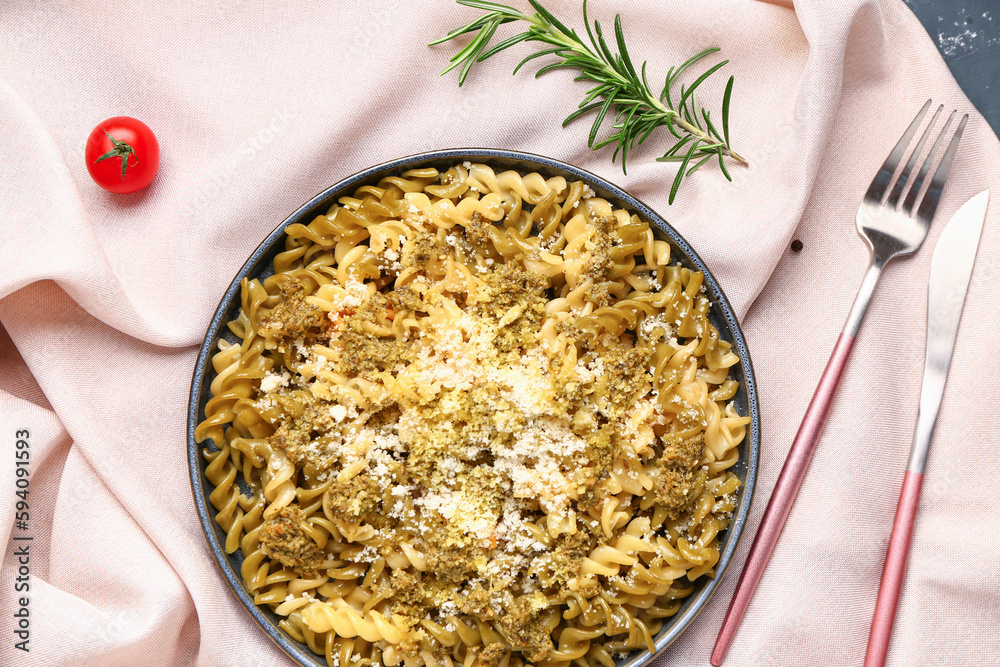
(967, 33)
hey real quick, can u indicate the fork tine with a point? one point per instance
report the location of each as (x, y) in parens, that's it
(909, 206)
(918, 183)
(930, 201)
(881, 181)
(897, 188)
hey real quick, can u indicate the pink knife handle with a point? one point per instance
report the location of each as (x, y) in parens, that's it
(895, 569)
(784, 492)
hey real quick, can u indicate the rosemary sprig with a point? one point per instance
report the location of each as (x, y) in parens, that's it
(617, 85)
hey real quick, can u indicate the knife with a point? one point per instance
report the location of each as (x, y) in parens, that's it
(951, 269)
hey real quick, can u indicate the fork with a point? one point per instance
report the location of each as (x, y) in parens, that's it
(891, 230)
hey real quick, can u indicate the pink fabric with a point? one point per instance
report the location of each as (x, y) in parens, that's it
(105, 297)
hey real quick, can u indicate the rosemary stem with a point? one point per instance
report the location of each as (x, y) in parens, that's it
(568, 42)
(558, 38)
(620, 93)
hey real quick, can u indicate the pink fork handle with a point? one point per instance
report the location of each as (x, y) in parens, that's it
(895, 569)
(784, 492)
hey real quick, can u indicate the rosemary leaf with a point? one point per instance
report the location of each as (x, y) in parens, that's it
(725, 111)
(681, 171)
(700, 162)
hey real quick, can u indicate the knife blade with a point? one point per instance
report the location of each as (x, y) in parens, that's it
(951, 271)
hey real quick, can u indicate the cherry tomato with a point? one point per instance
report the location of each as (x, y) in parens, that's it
(122, 154)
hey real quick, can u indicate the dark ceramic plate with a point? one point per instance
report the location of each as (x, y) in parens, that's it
(259, 266)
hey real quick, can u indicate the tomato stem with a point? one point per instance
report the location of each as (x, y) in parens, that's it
(122, 150)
